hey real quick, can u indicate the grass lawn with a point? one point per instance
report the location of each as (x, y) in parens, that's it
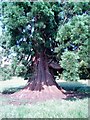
(48, 109)
(73, 108)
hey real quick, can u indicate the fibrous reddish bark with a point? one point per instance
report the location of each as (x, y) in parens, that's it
(42, 86)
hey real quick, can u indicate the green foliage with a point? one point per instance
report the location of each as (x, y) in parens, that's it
(20, 70)
(83, 71)
(71, 9)
(70, 65)
(5, 69)
(76, 32)
(14, 64)
(32, 27)
(5, 73)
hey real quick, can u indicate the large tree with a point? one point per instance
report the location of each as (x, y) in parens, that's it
(33, 28)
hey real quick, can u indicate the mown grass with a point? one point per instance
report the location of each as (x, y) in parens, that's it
(13, 85)
(17, 83)
(73, 108)
(48, 109)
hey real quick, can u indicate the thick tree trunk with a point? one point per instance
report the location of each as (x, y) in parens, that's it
(42, 86)
(42, 76)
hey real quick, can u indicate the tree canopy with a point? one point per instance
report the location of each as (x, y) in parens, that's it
(30, 25)
(49, 27)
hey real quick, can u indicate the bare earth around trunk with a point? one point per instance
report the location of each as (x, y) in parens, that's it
(42, 86)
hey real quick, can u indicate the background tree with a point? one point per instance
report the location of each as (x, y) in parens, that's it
(74, 36)
(70, 64)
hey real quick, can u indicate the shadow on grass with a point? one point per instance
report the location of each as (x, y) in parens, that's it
(12, 90)
(74, 86)
(74, 95)
(75, 90)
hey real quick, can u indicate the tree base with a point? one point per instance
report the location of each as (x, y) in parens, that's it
(48, 93)
(42, 86)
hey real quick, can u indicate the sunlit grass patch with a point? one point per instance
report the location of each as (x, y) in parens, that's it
(13, 85)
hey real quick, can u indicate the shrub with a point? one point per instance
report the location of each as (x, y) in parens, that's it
(70, 65)
(5, 73)
(20, 70)
(83, 71)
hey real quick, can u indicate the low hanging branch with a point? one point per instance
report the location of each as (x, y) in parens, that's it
(54, 65)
